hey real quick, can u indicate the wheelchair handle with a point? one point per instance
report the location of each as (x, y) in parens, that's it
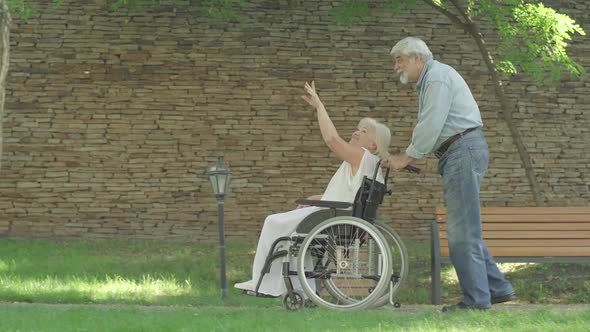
(409, 168)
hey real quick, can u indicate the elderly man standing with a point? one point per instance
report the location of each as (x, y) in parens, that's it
(449, 124)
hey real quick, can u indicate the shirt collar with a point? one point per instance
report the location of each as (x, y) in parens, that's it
(427, 66)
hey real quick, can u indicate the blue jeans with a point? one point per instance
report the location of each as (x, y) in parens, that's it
(462, 168)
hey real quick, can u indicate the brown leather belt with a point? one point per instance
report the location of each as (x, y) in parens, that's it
(445, 146)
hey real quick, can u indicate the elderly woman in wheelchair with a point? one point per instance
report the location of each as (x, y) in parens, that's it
(344, 259)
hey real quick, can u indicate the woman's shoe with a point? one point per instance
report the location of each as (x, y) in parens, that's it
(246, 285)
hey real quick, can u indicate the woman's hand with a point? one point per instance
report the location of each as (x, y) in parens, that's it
(312, 97)
(310, 198)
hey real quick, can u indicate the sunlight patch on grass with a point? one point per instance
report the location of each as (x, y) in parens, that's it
(111, 287)
(450, 276)
(6, 266)
(235, 274)
(514, 267)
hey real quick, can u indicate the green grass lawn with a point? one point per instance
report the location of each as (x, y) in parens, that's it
(137, 285)
(37, 317)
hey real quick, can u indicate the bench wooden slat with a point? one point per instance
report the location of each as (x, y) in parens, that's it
(527, 210)
(581, 218)
(531, 243)
(528, 226)
(531, 235)
(533, 251)
(522, 234)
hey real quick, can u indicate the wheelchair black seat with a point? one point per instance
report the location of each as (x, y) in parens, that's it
(314, 219)
(368, 198)
(366, 202)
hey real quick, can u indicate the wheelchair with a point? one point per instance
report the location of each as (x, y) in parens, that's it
(346, 259)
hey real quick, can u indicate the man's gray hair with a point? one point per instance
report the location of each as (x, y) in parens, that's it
(410, 46)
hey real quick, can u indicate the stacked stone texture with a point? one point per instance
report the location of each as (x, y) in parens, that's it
(112, 118)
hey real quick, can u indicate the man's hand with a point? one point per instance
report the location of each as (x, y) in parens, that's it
(398, 161)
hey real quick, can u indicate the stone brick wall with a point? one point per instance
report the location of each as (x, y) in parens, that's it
(112, 118)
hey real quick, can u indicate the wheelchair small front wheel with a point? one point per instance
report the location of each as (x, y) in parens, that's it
(293, 302)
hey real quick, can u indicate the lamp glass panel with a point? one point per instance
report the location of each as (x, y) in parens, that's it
(226, 190)
(221, 183)
(214, 184)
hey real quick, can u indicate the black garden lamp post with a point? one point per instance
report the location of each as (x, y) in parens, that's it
(219, 177)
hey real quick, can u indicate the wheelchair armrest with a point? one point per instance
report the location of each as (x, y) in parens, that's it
(327, 204)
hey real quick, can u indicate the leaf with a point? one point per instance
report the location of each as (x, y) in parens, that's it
(533, 37)
(400, 5)
(20, 8)
(225, 10)
(351, 12)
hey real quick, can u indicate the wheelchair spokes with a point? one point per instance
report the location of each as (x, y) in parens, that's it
(352, 259)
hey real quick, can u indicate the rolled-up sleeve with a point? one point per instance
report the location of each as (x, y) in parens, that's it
(435, 103)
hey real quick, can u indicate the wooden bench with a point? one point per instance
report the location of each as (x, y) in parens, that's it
(520, 234)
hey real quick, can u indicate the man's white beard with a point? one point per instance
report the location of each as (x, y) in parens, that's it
(403, 77)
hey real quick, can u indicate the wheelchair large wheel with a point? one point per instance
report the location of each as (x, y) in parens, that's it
(351, 258)
(399, 262)
(399, 267)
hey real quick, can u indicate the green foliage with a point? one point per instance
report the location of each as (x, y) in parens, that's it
(20, 8)
(397, 6)
(133, 4)
(533, 38)
(23, 9)
(351, 12)
(225, 10)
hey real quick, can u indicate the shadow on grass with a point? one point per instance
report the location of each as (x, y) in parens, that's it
(117, 271)
(186, 273)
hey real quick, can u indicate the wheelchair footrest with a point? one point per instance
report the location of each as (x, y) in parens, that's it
(312, 275)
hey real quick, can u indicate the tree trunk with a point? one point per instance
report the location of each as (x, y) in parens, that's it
(4, 61)
(507, 115)
(473, 29)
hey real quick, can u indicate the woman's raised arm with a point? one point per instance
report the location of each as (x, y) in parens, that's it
(340, 147)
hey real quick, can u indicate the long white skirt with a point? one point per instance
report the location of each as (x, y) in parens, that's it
(275, 226)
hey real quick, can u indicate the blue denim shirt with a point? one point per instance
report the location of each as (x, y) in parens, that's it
(446, 107)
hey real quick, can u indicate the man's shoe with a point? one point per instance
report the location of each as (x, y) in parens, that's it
(461, 306)
(503, 298)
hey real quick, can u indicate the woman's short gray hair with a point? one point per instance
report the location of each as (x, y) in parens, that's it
(382, 136)
(410, 46)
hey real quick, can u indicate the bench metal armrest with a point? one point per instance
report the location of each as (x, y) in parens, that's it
(327, 204)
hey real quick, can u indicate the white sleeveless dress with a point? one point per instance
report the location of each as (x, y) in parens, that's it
(342, 187)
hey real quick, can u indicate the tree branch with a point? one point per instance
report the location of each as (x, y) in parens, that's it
(448, 14)
(473, 29)
(462, 12)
